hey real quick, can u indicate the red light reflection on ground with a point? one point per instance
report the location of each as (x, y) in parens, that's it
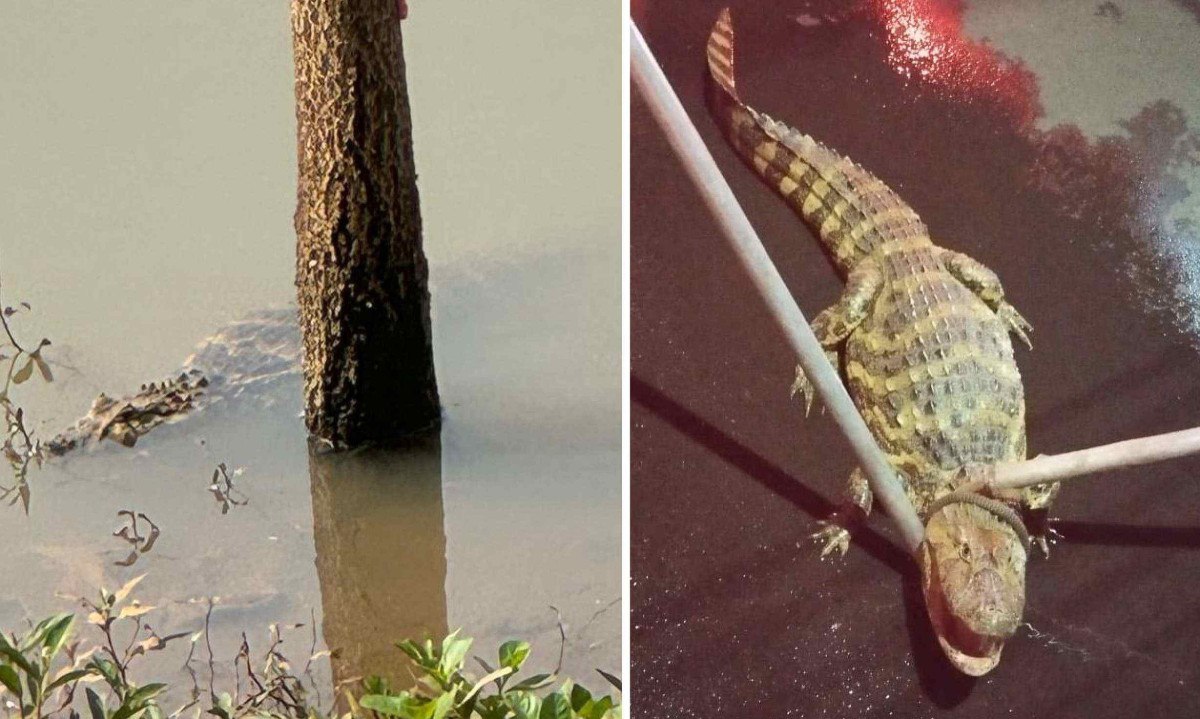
(925, 43)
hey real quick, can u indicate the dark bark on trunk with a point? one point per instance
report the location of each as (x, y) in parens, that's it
(360, 268)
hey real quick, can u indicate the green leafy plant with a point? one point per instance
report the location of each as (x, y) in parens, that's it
(33, 670)
(41, 672)
(447, 691)
(46, 673)
(21, 448)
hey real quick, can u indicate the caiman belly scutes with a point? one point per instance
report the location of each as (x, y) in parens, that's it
(931, 369)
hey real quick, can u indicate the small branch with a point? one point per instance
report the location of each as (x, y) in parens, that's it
(1130, 453)
(562, 647)
(12, 340)
(212, 670)
(111, 648)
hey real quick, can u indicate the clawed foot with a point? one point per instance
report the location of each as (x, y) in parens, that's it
(1017, 324)
(1044, 540)
(833, 537)
(805, 387)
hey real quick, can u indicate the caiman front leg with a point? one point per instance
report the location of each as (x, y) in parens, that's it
(1036, 502)
(835, 324)
(986, 285)
(833, 534)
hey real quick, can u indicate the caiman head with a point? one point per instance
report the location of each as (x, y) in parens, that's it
(973, 576)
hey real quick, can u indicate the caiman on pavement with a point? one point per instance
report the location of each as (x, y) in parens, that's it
(921, 337)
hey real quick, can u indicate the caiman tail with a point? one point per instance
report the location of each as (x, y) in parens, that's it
(851, 210)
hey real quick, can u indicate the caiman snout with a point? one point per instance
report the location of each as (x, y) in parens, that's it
(999, 606)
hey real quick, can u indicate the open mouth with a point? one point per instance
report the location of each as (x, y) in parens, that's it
(972, 654)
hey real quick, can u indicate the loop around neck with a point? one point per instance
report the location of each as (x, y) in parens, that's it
(1002, 511)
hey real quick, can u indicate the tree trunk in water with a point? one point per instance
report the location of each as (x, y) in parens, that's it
(360, 269)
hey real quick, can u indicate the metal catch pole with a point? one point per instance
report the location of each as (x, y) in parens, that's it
(701, 167)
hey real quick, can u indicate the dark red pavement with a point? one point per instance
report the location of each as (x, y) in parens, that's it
(733, 615)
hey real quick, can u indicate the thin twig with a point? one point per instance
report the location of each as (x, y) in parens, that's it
(212, 669)
(562, 646)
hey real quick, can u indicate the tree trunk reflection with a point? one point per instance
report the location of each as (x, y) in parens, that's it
(381, 554)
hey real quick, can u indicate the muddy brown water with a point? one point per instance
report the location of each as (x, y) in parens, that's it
(148, 156)
(733, 614)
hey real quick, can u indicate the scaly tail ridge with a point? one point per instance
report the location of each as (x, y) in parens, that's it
(851, 210)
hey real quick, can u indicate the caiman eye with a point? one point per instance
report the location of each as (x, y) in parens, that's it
(964, 551)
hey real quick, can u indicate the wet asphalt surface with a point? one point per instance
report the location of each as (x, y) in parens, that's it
(733, 614)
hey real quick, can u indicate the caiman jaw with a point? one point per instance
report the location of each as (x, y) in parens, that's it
(970, 652)
(972, 665)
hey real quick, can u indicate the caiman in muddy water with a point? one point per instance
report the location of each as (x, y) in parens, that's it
(921, 337)
(242, 358)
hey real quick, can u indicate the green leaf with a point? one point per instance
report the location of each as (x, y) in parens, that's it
(400, 705)
(555, 706)
(491, 677)
(413, 651)
(19, 659)
(9, 678)
(513, 654)
(223, 707)
(38, 633)
(454, 652)
(57, 633)
(537, 681)
(128, 712)
(407, 706)
(611, 679)
(67, 678)
(437, 709)
(108, 670)
(95, 704)
(596, 709)
(579, 697)
(145, 694)
(499, 711)
(525, 704)
(376, 684)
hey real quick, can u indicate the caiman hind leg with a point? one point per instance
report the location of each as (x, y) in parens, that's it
(835, 324)
(986, 285)
(833, 534)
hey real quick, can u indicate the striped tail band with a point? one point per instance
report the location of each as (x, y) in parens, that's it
(720, 53)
